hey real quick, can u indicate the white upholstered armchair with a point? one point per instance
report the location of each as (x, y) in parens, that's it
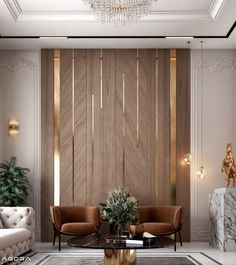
(17, 234)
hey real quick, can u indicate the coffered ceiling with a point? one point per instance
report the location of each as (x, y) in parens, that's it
(203, 19)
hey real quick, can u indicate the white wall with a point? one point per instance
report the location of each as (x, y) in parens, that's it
(20, 98)
(217, 103)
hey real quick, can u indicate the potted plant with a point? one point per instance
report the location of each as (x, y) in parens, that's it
(14, 184)
(119, 209)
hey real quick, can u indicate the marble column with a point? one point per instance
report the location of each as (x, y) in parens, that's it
(222, 207)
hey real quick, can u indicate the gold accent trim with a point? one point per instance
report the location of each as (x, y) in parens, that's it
(123, 127)
(92, 132)
(57, 127)
(73, 126)
(173, 125)
(123, 103)
(156, 124)
(137, 86)
(101, 79)
(119, 256)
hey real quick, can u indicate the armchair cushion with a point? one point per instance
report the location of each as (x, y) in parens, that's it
(83, 228)
(158, 228)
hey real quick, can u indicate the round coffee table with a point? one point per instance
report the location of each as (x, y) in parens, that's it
(117, 252)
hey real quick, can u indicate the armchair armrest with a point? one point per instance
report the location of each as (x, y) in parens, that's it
(169, 214)
(92, 215)
(177, 216)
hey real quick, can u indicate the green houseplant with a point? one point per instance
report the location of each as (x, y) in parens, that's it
(14, 184)
(119, 209)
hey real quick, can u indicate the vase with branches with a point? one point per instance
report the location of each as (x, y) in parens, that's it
(119, 209)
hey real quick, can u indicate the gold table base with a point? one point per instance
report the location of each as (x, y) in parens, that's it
(119, 257)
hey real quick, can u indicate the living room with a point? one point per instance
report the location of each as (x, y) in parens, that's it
(143, 105)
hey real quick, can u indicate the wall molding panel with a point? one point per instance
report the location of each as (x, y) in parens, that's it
(15, 62)
(115, 125)
(221, 65)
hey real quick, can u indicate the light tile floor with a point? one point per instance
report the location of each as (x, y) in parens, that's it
(225, 258)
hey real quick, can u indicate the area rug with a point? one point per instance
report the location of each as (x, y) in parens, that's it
(99, 261)
(160, 259)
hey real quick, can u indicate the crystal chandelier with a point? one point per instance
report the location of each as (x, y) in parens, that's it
(120, 11)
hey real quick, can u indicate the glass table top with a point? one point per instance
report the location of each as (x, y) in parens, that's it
(108, 242)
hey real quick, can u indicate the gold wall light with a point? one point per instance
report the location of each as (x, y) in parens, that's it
(188, 158)
(14, 127)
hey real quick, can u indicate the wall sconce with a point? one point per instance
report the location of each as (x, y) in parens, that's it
(188, 158)
(13, 127)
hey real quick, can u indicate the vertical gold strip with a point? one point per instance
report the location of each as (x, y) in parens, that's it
(56, 127)
(137, 86)
(101, 77)
(173, 124)
(92, 126)
(123, 127)
(123, 103)
(156, 127)
(73, 126)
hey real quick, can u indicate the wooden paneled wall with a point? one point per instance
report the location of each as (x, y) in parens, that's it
(115, 128)
(183, 135)
(47, 140)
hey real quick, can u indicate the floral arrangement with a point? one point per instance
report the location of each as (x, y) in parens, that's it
(120, 208)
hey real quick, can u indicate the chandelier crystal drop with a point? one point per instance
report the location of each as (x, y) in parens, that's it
(201, 173)
(120, 11)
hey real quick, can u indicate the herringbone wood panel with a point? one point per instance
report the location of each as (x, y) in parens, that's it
(131, 148)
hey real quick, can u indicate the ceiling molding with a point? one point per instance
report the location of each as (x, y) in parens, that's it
(19, 15)
(14, 8)
(124, 37)
(216, 8)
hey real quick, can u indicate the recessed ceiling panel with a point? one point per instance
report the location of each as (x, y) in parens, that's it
(51, 5)
(78, 5)
(77, 10)
(48, 18)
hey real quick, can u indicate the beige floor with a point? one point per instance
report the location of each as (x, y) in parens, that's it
(225, 258)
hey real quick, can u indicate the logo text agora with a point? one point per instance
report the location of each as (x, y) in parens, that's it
(16, 260)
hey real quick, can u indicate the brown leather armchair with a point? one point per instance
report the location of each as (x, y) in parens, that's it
(74, 221)
(160, 220)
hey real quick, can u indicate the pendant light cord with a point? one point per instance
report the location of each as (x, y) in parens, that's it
(201, 100)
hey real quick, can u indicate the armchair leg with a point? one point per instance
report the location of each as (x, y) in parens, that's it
(180, 237)
(54, 236)
(59, 241)
(175, 242)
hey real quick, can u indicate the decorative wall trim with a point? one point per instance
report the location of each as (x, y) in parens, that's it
(214, 64)
(13, 62)
(19, 14)
(216, 8)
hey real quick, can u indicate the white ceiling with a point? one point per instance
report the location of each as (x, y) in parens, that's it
(74, 18)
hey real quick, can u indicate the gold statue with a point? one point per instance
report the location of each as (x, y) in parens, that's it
(228, 166)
